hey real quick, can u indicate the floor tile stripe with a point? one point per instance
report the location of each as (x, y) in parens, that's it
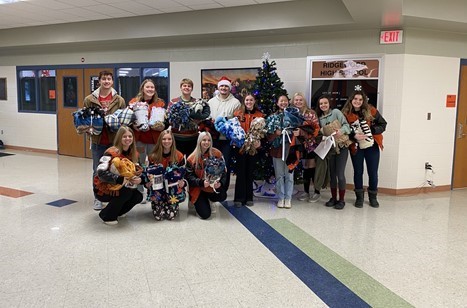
(330, 290)
(13, 193)
(370, 290)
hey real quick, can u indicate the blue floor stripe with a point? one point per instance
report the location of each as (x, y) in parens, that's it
(321, 282)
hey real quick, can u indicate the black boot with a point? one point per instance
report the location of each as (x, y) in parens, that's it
(359, 194)
(372, 196)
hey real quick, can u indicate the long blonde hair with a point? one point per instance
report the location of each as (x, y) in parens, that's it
(198, 152)
(306, 109)
(132, 152)
(158, 150)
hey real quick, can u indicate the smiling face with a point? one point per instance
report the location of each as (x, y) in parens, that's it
(324, 105)
(224, 90)
(357, 102)
(283, 102)
(299, 101)
(106, 81)
(205, 143)
(249, 102)
(167, 142)
(186, 89)
(127, 140)
(149, 90)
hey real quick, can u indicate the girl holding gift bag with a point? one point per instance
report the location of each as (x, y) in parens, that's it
(206, 175)
(364, 117)
(165, 202)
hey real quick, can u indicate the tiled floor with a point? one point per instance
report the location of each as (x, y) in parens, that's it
(410, 251)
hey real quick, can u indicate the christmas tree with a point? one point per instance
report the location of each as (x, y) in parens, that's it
(267, 88)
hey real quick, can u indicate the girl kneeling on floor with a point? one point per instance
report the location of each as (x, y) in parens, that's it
(118, 175)
(203, 189)
(168, 193)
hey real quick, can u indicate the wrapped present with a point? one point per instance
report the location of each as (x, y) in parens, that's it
(199, 109)
(362, 127)
(157, 118)
(173, 174)
(140, 110)
(123, 167)
(231, 129)
(214, 169)
(113, 120)
(342, 140)
(89, 120)
(254, 135)
(179, 115)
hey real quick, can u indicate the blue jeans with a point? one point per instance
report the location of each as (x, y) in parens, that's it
(284, 179)
(371, 156)
(97, 151)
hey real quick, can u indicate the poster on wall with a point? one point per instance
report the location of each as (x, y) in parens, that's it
(338, 78)
(242, 79)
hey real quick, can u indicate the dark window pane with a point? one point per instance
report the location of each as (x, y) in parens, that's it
(47, 94)
(160, 78)
(70, 92)
(129, 87)
(27, 94)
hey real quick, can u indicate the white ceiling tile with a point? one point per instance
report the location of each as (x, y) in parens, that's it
(136, 8)
(230, 3)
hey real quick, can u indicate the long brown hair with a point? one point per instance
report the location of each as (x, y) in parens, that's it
(364, 109)
(157, 152)
(242, 108)
(132, 152)
(140, 96)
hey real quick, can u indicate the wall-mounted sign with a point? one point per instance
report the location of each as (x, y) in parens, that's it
(391, 37)
(339, 77)
(450, 100)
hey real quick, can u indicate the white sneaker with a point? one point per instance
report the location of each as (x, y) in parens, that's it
(111, 223)
(303, 196)
(314, 198)
(287, 204)
(97, 205)
(280, 203)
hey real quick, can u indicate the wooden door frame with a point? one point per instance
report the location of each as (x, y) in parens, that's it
(462, 70)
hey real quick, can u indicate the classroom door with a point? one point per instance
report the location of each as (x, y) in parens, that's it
(73, 85)
(460, 154)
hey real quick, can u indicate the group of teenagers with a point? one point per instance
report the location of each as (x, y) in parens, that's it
(190, 147)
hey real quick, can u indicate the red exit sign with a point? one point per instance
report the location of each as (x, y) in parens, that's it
(391, 37)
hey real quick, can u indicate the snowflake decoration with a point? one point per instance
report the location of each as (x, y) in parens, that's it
(358, 88)
(266, 56)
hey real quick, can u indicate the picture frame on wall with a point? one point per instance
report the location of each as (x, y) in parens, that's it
(242, 79)
(3, 93)
(339, 76)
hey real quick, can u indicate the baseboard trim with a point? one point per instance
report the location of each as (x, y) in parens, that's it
(26, 149)
(408, 191)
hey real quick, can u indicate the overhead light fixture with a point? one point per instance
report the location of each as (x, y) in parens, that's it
(8, 1)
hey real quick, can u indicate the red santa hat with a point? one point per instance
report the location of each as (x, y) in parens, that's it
(224, 81)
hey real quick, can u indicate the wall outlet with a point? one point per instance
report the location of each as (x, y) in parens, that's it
(428, 166)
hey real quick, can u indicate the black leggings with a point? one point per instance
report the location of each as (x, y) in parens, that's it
(202, 206)
(118, 205)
